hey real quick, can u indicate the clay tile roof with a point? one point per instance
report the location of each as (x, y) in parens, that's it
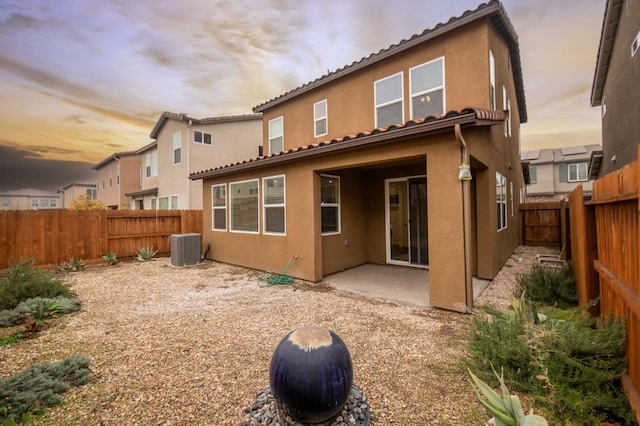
(492, 9)
(207, 120)
(479, 116)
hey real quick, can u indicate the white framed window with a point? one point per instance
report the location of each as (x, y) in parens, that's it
(635, 45)
(330, 204)
(44, 203)
(34, 204)
(273, 204)
(603, 106)
(492, 81)
(167, 203)
(177, 147)
(533, 175)
(150, 164)
(244, 206)
(509, 117)
(203, 138)
(320, 119)
(578, 172)
(276, 135)
(426, 83)
(504, 107)
(53, 203)
(118, 174)
(389, 101)
(511, 196)
(6, 203)
(154, 203)
(219, 207)
(501, 201)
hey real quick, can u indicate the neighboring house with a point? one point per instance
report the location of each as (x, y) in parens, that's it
(184, 144)
(616, 86)
(73, 190)
(118, 174)
(554, 173)
(29, 199)
(391, 195)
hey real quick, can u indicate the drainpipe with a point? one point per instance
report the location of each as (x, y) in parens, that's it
(188, 150)
(466, 219)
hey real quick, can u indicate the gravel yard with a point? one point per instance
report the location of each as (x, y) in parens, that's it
(192, 345)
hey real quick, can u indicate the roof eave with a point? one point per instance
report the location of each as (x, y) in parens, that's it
(605, 48)
(381, 138)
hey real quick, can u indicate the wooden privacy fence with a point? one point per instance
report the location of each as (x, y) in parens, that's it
(606, 258)
(544, 224)
(52, 236)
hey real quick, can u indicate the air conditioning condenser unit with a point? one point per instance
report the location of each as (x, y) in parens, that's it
(185, 249)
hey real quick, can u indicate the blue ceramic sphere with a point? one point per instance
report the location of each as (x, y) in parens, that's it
(311, 374)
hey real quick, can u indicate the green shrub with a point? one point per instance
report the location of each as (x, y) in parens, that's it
(23, 282)
(550, 285)
(40, 386)
(571, 368)
(18, 315)
(12, 339)
(110, 258)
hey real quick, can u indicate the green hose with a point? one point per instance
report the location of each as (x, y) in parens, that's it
(278, 279)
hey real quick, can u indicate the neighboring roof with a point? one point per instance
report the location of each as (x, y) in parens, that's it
(84, 183)
(142, 193)
(605, 48)
(208, 120)
(493, 9)
(568, 154)
(28, 192)
(429, 125)
(113, 157)
(147, 147)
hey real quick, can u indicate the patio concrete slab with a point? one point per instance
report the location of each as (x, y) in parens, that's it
(406, 285)
(395, 283)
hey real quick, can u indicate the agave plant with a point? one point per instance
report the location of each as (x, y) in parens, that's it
(506, 409)
(146, 253)
(110, 258)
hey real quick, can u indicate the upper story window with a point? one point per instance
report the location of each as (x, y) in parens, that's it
(276, 135)
(110, 178)
(578, 172)
(320, 123)
(274, 205)
(533, 175)
(219, 207)
(202, 137)
(501, 201)
(177, 147)
(388, 98)
(330, 204)
(635, 45)
(150, 164)
(118, 174)
(427, 89)
(492, 80)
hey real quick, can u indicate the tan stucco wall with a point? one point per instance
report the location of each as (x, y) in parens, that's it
(350, 100)
(362, 216)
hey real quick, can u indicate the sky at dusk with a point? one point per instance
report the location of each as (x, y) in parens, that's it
(80, 80)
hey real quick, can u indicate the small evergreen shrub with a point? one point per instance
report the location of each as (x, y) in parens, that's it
(550, 285)
(19, 314)
(571, 368)
(23, 282)
(40, 386)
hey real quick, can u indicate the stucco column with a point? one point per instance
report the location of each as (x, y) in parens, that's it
(446, 235)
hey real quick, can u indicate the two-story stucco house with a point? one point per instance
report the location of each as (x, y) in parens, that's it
(184, 144)
(73, 190)
(29, 199)
(616, 88)
(362, 165)
(555, 172)
(118, 174)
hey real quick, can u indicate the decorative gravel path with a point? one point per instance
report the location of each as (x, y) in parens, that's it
(192, 346)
